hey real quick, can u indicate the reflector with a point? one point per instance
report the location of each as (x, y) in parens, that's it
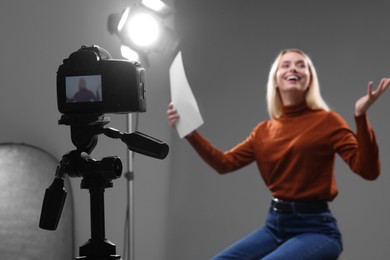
(25, 173)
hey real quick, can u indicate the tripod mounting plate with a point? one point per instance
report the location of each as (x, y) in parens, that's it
(84, 120)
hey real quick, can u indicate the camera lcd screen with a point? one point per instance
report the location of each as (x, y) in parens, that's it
(85, 88)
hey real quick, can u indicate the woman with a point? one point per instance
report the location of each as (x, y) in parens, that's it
(295, 153)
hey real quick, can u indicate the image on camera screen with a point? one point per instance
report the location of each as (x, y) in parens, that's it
(86, 88)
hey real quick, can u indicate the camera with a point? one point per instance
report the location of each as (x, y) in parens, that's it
(91, 82)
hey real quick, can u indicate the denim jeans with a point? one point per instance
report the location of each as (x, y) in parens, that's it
(292, 236)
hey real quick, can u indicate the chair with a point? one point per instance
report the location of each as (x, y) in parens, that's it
(25, 173)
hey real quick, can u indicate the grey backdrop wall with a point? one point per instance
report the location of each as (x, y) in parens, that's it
(228, 47)
(183, 209)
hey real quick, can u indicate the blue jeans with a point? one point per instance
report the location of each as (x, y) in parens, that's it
(293, 236)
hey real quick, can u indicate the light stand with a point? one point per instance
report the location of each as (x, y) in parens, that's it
(129, 241)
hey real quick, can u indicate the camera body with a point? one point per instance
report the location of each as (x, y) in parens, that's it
(91, 82)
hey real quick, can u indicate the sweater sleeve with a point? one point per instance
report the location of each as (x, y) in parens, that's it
(360, 151)
(223, 162)
(370, 161)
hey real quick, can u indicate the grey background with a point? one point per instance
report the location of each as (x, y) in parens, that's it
(183, 209)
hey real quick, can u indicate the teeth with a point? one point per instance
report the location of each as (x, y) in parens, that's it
(292, 78)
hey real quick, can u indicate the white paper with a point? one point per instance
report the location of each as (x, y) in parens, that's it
(183, 99)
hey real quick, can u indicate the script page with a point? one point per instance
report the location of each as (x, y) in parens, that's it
(183, 99)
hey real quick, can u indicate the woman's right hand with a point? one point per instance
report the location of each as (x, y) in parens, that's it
(173, 116)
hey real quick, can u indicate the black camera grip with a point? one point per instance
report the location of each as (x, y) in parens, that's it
(146, 145)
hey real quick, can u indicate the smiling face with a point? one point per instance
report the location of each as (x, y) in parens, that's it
(293, 79)
(293, 75)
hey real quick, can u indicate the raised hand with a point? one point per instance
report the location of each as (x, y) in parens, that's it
(362, 104)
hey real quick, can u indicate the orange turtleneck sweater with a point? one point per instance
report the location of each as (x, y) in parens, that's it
(296, 153)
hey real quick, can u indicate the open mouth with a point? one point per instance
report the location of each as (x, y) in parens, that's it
(293, 78)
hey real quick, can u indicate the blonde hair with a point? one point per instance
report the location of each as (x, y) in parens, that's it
(313, 95)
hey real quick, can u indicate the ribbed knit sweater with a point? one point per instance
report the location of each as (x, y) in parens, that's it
(295, 154)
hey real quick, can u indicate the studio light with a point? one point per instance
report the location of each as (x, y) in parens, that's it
(143, 28)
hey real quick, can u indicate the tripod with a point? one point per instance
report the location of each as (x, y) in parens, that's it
(97, 176)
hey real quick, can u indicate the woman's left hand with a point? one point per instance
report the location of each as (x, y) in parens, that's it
(366, 101)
